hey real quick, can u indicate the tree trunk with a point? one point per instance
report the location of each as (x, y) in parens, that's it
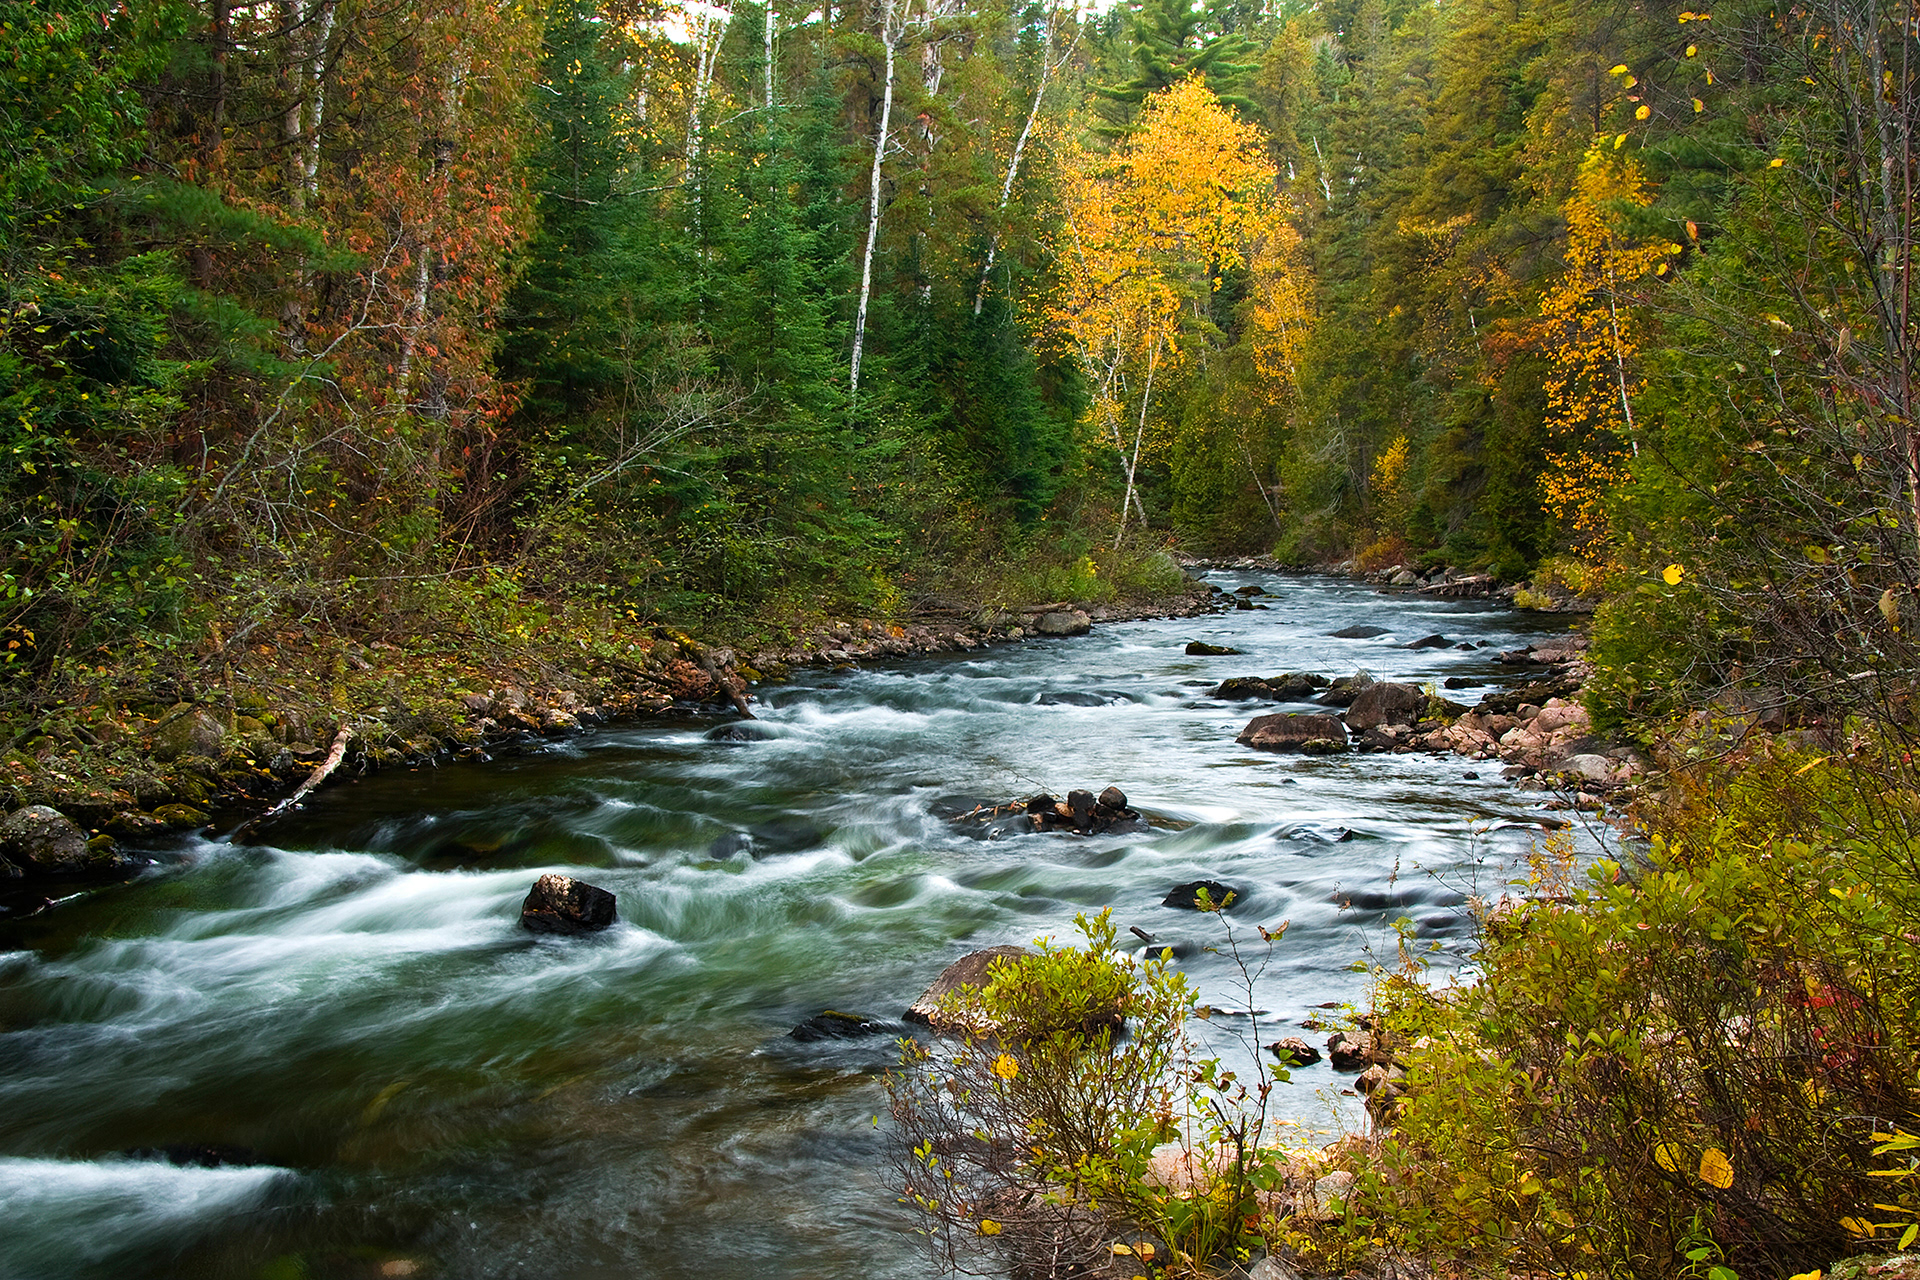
(1139, 439)
(888, 39)
(1047, 66)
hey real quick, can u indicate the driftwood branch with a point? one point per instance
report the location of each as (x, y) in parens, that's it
(320, 774)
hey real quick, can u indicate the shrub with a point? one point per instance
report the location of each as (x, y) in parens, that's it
(1680, 1067)
(1029, 1145)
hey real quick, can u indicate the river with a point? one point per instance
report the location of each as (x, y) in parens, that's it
(429, 1090)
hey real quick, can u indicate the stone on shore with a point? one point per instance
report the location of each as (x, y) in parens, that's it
(1064, 622)
(40, 840)
(563, 905)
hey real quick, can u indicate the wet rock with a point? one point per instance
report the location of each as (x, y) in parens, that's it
(1201, 649)
(835, 1025)
(188, 730)
(1404, 578)
(1343, 691)
(1249, 590)
(180, 816)
(1290, 686)
(1113, 798)
(1350, 1050)
(1075, 698)
(970, 970)
(1358, 633)
(1295, 1052)
(561, 904)
(41, 840)
(1385, 703)
(1313, 735)
(1063, 622)
(1187, 896)
(131, 824)
(1590, 768)
(741, 731)
(1461, 682)
(1241, 602)
(1431, 642)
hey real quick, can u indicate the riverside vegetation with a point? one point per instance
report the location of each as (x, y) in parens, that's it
(392, 370)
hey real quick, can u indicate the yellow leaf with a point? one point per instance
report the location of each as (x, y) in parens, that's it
(1642, 111)
(1692, 49)
(1618, 139)
(1715, 1169)
(1775, 163)
(1709, 77)
(1006, 1067)
(1698, 105)
(1857, 1226)
(1672, 574)
(1809, 1275)
(1890, 607)
(1619, 70)
(1669, 1156)
(1630, 82)
(1693, 230)
(988, 1227)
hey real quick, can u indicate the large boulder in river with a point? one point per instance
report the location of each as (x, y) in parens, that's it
(561, 904)
(43, 841)
(970, 970)
(1063, 622)
(1312, 735)
(1385, 703)
(1361, 632)
(1187, 896)
(1201, 649)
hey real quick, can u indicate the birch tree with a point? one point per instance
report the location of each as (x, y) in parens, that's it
(891, 32)
(1151, 230)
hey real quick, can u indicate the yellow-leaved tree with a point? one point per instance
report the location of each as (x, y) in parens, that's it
(1588, 330)
(1151, 229)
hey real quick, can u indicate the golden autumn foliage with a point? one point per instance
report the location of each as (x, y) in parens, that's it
(1151, 231)
(1589, 333)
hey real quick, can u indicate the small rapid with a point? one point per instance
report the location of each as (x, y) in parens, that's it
(391, 1073)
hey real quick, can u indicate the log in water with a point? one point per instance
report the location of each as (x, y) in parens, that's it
(341, 1055)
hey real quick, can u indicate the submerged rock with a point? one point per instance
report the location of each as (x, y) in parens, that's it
(1358, 633)
(1188, 895)
(1201, 649)
(561, 904)
(835, 1025)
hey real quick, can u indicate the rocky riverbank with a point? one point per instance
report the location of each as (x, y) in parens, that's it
(261, 722)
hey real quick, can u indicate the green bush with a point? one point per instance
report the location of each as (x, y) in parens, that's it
(1676, 1068)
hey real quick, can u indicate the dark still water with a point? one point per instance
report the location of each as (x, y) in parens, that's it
(430, 1090)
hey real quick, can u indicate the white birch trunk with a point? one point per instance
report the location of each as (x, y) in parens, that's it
(1047, 67)
(769, 54)
(888, 39)
(1139, 439)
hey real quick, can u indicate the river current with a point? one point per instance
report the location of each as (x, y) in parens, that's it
(426, 1089)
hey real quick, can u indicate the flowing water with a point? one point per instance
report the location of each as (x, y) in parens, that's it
(427, 1089)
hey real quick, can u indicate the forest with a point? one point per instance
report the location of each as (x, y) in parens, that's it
(332, 315)
(478, 324)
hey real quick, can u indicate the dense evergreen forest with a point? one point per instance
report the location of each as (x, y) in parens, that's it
(468, 323)
(323, 314)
